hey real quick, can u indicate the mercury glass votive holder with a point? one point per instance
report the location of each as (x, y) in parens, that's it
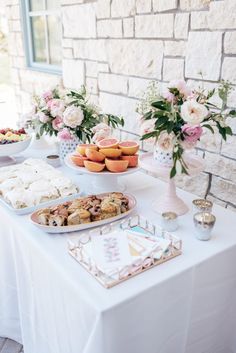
(169, 221)
(202, 205)
(204, 223)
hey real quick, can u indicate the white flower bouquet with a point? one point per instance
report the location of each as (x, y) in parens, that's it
(176, 119)
(65, 114)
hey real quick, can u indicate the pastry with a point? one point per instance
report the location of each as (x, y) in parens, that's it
(78, 217)
(85, 210)
(56, 220)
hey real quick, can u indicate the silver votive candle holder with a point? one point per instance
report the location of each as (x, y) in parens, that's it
(169, 221)
(204, 223)
(202, 205)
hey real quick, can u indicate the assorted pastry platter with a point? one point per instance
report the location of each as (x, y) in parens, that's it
(32, 184)
(84, 213)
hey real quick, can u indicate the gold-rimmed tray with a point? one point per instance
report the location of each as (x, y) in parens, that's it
(77, 243)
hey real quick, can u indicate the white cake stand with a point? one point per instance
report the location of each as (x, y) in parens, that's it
(104, 181)
(170, 201)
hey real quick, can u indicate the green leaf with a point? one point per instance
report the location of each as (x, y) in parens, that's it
(148, 115)
(232, 113)
(228, 130)
(170, 127)
(41, 130)
(149, 135)
(161, 105)
(173, 172)
(160, 121)
(211, 93)
(209, 127)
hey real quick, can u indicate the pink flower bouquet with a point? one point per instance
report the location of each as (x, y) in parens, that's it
(177, 119)
(68, 113)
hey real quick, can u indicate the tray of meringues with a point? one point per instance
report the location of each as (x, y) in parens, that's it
(84, 212)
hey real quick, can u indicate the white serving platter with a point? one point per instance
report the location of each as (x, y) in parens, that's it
(83, 170)
(74, 228)
(27, 210)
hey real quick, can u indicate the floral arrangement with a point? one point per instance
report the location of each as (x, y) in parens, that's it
(176, 119)
(67, 114)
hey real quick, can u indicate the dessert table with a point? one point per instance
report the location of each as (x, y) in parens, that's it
(51, 304)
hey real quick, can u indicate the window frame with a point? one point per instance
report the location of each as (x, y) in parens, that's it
(28, 38)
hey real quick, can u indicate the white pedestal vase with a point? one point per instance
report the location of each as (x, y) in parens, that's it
(170, 201)
(67, 147)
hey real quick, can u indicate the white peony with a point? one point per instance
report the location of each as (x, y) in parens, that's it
(193, 112)
(73, 116)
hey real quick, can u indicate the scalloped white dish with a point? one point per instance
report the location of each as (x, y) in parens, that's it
(75, 228)
(15, 147)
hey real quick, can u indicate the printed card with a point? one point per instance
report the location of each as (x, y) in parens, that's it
(111, 250)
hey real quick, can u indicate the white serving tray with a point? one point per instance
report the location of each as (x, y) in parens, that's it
(74, 228)
(26, 210)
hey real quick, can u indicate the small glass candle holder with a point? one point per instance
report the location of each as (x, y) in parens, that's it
(169, 221)
(53, 160)
(202, 205)
(204, 223)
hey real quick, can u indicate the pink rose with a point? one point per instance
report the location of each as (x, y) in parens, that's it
(57, 123)
(191, 133)
(47, 95)
(64, 135)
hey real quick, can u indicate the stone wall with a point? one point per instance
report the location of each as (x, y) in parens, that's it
(26, 82)
(116, 47)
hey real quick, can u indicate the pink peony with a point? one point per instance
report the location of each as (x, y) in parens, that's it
(64, 135)
(191, 133)
(57, 123)
(56, 107)
(47, 95)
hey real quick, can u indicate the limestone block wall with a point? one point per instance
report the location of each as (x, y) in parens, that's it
(116, 47)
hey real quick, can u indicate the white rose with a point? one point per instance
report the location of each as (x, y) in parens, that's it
(193, 112)
(73, 116)
(166, 141)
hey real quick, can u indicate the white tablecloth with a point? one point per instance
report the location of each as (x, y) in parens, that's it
(52, 305)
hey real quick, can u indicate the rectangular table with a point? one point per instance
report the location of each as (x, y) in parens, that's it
(52, 305)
